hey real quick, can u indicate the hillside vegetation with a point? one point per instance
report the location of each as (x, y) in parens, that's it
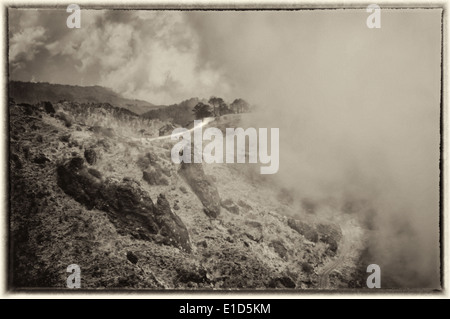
(90, 185)
(29, 92)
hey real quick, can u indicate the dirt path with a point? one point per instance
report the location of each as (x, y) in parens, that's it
(342, 253)
(150, 139)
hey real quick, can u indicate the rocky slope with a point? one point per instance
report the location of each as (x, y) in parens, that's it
(89, 187)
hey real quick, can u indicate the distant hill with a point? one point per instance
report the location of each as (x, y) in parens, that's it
(28, 92)
(180, 113)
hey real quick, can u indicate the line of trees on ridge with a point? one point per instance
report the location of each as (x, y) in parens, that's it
(216, 106)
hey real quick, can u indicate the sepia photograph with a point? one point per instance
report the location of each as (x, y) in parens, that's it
(244, 149)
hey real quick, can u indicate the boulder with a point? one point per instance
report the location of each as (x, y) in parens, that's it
(65, 138)
(330, 234)
(183, 190)
(203, 187)
(66, 118)
(154, 177)
(230, 206)
(244, 205)
(91, 156)
(48, 107)
(304, 229)
(307, 268)
(16, 160)
(282, 282)
(41, 159)
(279, 248)
(129, 207)
(254, 230)
(132, 257)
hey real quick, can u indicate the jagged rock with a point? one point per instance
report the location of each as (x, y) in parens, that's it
(176, 207)
(166, 129)
(254, 231)
(279, 248)
(304, 229)
(65, 138)
(196, 274)
(166, 171)
(41, 159)
(73, 143)
(17, 162)
(244, 205)
(91, 156)
(203, 187)
(128, 206)
(230, 206)
(67, 119)
(307, 268)
(202, 244)
(106, 131)
(76, 181)
(154, 177)
(253, 224)
(330, 234)
(48, 107)
(183, 190)
(29, 109)
(282, 282)
(76, 163)
(95, 173)
(132, 257)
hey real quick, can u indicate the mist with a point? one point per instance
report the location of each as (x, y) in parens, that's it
(357, 108)
(358, 112)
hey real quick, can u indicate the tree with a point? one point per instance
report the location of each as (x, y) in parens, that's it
(240, 106)
(216, 102)
(202, 110)
(224, 109)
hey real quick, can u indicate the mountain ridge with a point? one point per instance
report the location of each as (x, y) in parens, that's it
(34, 92)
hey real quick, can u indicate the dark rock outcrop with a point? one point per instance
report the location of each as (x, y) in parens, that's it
(330, 234)
(41, 159)
(244, 205)
(203, 187)
(154, 177)
(128, 206)
(279, 248)
(48, 107)
(166, 129)
(230, 206)
(304, 229)
(91, 156)
(183, 190)
(282, 282)
(67, 119)
(132, 257)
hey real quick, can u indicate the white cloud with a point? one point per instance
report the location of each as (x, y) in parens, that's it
(144, 55)
(24, 45)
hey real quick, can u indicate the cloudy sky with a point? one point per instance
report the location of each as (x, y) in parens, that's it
(357, 108)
